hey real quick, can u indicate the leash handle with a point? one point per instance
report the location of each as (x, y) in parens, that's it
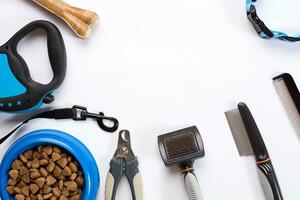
(19, 92)
(77, 113)
(56, 50)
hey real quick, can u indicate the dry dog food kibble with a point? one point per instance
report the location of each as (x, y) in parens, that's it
(46, 172)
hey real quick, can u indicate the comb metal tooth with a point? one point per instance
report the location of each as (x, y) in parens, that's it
(267, 190)
(239, 132)
(288, 104)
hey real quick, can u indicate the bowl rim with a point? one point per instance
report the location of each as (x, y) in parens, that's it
(57, 138)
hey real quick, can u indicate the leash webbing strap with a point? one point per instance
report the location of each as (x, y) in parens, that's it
(77, 113)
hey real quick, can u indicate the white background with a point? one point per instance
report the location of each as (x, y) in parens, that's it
(162, 65)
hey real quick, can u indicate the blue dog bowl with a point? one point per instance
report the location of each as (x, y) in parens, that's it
(57, 138)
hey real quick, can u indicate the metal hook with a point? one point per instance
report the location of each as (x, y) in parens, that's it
(102, 125)
(81, 113)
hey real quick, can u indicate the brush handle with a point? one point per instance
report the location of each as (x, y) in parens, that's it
(80, 20)
(192, 187)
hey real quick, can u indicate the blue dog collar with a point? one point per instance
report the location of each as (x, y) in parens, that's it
(262, 30)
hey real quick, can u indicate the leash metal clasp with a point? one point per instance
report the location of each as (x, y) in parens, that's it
(80, 113)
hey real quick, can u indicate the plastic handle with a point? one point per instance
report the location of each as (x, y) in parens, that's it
(137, 187)
(255, 138)
(109, 187)
(55, 44)
(135, 179)
(133, 175)
(192, 187)
(113, 178)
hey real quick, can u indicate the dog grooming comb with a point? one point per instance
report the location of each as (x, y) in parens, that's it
(289, 95)
(250, 142)
(182, 148)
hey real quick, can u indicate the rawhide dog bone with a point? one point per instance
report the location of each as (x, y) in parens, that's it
(80, 20)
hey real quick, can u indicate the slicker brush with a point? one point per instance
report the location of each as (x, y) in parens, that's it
(181, 148)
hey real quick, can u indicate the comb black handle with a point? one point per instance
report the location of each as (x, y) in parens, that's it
(267, 169)
(255, 138)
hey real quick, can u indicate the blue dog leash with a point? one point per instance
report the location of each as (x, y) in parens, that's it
(260, 27)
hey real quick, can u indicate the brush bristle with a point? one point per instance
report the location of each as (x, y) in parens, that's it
(288, 104)
(180, 145)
